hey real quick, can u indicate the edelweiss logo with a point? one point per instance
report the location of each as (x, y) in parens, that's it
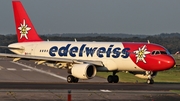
(24, 29)
(141, 54)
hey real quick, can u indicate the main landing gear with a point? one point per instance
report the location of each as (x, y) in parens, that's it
(113, 78)
(72, 79)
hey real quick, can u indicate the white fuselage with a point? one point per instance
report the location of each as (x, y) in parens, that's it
(110, 53)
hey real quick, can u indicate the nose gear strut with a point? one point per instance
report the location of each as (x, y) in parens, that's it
(150, 75)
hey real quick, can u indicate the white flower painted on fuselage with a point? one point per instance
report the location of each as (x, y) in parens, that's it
(141, 54)
(24, 29)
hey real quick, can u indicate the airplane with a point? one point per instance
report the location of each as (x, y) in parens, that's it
(84, 59)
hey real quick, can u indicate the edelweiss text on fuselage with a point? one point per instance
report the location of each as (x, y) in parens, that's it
(100, 52)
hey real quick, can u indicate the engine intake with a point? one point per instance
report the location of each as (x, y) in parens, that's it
(83, 71)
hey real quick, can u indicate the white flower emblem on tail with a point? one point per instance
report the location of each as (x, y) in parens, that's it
(24, 29)
(141, 54)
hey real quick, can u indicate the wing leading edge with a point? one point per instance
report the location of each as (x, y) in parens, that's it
(50, 59)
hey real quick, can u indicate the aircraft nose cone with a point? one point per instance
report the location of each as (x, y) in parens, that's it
(168, 63)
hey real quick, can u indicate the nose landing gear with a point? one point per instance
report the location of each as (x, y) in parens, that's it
(150, 75)
(150, 81)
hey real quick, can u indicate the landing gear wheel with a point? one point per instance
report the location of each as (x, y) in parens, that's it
(150, 81)
(116, 79)
(110, 79)
(70, 78)
(113, 79)
(76, 80)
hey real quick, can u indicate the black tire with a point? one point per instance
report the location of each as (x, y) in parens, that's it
(115, 79)
(76, 80)
(150, 81)
(110, 79)
(70, 78)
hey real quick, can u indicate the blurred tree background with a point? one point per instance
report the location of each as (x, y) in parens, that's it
(170, 41)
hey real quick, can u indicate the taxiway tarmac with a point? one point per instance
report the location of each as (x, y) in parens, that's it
(25, 81)
(86, 95)
(28, 71)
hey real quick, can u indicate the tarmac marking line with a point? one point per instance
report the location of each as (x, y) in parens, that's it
(41, 71)
(26, 69)
(11, 69)
(1, 67)
(105, 90)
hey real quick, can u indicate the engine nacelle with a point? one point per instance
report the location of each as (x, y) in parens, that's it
(83, 71)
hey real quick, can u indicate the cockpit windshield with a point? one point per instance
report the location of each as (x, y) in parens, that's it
(156, 52)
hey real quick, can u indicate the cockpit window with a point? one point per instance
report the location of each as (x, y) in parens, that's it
(158, 52)
(163, 52)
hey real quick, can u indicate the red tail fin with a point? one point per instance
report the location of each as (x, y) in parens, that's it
(24, 27)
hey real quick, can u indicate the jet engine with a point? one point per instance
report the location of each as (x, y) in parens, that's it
(83, 71)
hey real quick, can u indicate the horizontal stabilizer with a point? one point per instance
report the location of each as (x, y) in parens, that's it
(11, 48)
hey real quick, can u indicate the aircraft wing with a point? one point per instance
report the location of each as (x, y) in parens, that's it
(49, 59)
